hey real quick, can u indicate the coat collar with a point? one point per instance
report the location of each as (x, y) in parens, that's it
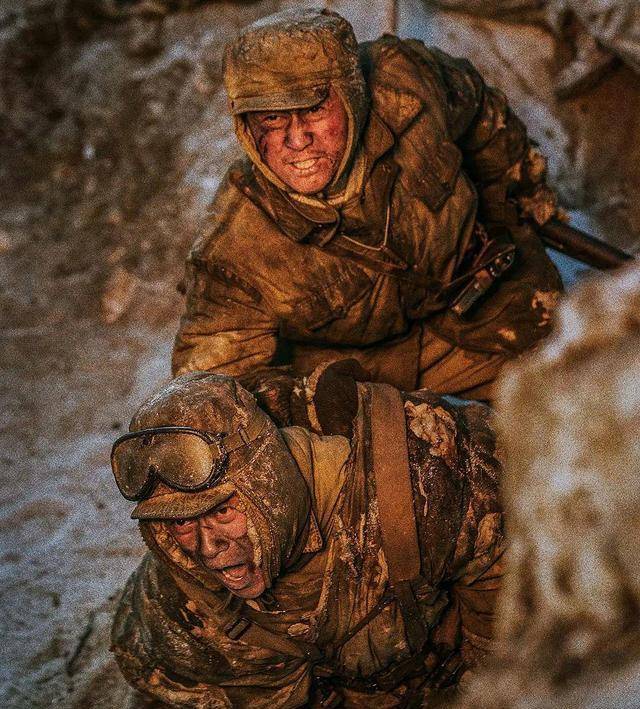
(395, 107)
(392, 111)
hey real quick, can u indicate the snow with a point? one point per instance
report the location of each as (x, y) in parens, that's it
(116, 185)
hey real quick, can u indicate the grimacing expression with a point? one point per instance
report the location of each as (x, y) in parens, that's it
(218, 540)
(303, 147)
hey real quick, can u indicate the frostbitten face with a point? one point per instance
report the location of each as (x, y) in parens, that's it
(304, 147)
(220, 542)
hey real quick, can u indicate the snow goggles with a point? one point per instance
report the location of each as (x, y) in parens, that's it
(186, 459)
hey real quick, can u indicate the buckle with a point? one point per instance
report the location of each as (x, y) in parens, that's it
(217, 439)
(481, 282)
(237, 628)
(501, 263)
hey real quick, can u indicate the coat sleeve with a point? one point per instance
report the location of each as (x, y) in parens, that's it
(478, 564)
(497, 152)
(226, 326)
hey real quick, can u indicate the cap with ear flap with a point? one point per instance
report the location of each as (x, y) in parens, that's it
(289, 61)
(259, 466)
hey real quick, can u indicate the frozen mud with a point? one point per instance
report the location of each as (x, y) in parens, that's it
(114, 136)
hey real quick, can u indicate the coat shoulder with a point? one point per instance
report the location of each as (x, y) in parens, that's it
(405, 72)
(454, 469)
(404, 62)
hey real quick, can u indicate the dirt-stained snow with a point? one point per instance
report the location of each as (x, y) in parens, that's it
(569, 416)
(114, 135)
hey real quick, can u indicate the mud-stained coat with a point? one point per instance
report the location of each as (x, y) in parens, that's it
(169, 635)
(273, 281)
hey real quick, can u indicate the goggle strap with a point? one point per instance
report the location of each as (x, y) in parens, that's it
(244, 435)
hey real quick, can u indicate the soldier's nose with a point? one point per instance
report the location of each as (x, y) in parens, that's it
(212, 543)
(297, 137)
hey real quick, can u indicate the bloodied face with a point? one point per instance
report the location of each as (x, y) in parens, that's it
(219, 541)
(304, 147)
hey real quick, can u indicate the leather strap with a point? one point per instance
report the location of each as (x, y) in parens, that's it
(395, 505)
(242, 628)
(245, 435)
(393, 483)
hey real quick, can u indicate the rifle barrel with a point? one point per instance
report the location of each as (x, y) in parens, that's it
(582, 246)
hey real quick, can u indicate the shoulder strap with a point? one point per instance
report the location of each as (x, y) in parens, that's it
(393, 483)
(395, 505)
(242, 627)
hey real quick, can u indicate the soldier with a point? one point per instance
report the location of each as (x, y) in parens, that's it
(289, 568)
(383, 191)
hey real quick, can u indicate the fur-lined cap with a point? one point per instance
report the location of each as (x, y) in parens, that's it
(263, 473)
(289, 61)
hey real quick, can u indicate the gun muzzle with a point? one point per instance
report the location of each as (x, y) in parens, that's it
(582, 246)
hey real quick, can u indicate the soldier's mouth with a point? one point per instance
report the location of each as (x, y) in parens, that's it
(234, 574)
(304, 165)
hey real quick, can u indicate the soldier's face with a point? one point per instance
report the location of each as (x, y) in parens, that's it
(219, 541)
(303, 148)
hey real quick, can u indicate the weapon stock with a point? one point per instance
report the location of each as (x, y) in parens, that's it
(582, 246)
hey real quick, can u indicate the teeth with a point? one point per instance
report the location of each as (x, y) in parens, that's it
(305, 164)
(235, 573)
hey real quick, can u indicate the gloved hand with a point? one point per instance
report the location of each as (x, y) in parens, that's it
(329, 399)
(273, 388)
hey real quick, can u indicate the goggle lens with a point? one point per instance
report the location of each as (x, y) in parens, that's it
(183, 460)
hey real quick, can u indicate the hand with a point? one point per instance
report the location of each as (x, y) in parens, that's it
(334, 394)
(273, 389)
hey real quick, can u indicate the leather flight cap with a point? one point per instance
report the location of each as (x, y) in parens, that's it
(172, 496)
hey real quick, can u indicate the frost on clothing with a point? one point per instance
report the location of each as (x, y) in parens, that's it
(363, 270)
(169, 634)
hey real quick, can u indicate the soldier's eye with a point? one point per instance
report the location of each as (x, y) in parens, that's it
(274, 120)
(225, 513)
(181, 522)
(317, 112)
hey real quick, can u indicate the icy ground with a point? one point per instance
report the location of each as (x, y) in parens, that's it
(117, 137)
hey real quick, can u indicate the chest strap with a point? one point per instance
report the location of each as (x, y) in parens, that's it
(242, 627)
(395, 505)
